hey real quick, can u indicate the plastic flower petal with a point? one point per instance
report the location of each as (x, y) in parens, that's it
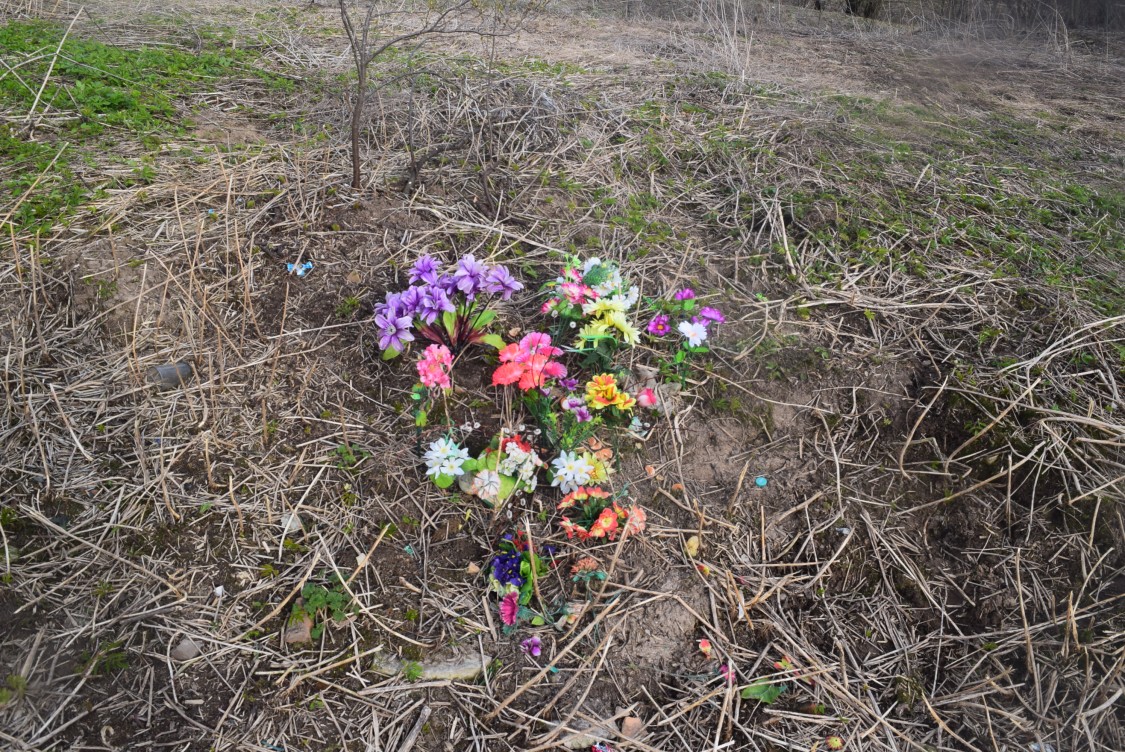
(705, 648)
(647, 397)
(533, 646)
(510, 608)
(694, 333)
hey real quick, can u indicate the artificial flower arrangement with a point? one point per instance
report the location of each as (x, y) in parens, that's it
(572, 470)
(598, 515)
(514, 572)
(594, 298)
(683, 316)
(451, 307)
(509, 464)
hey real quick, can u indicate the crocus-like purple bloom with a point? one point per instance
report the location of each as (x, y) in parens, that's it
(433, 302)
(500, 281)
(425, 270)
(394, 331)
(712, 314)
(448, 284)
(568, 384)
(582, 415)
(659, 326)
(685, 294)
(533, 646)
(470, 276)
(409, 301)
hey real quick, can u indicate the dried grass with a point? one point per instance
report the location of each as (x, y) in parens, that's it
(943, 589)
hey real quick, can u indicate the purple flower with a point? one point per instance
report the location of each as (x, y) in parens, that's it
(432, 303)
(533, 646)
(469, 276)
(568, 384)
(424, 270)
(500, 281)
(573, 403)
(409, 301)
(394, 331)
(582, 415)
(659, 326)
(685, 294)
(448, 284)
(712, 314)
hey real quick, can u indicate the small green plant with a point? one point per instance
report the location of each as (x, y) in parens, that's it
(14, 689)
(348, 456)
(103, 589)
(347, 307)
(321, 603)
(412, 671)
(109, 659)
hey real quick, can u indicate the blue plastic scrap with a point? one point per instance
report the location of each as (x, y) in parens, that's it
(300, 269)
(761, 481)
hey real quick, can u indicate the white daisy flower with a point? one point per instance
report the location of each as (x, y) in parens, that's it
(695, 334)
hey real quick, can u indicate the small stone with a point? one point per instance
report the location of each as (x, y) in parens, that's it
(472, 569)
(291, 523)
(186, 650)
(632, 727)
(587, 735)
(299, 630)
(354, 278)
(459, 667)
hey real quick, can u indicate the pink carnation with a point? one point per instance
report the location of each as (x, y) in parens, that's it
(433, 368)
(647, 398)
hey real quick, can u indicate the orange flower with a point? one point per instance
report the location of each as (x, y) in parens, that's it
(572, 530)
(583, 493)
(606, 524)
(635, 521)
(705, 648)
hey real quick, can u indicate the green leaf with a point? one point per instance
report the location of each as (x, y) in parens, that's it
(470, 465)
(483, 320)
(507, 487)
(420, 418)
(537, 621)
(390, 353)
(449, 321)
(493, 340)
(444, 481)
(680, 355)
(764, 692)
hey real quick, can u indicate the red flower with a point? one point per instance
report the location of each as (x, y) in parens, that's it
(510, 608)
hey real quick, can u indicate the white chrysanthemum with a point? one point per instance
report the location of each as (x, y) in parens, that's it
(590, 264)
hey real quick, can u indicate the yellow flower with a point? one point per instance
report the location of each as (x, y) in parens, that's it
(624, 402)
(617, 320)
(601, 391)
(603, 305)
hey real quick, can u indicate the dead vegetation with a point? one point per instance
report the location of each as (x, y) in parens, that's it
(925, 360)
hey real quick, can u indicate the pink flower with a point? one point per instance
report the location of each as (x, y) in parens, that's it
(727, 672)
(529, 362)
(433, 368)
(510, 608)
(533, 646)
(647, 397)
